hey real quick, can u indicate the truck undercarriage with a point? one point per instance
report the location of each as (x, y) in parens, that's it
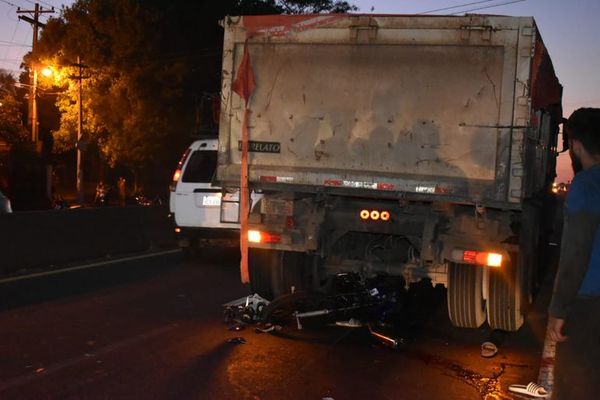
(315, 238)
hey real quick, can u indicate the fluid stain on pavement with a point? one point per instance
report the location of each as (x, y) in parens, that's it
(489, 388)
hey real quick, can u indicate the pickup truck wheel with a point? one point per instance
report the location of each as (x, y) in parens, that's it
(259, 266)
(509, 294)
(287, 272)
(466, 305)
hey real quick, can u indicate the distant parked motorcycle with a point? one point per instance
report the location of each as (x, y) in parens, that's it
(102, 195)
(142, 200)
(58, 203)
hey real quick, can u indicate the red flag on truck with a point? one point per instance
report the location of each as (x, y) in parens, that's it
(243, 85)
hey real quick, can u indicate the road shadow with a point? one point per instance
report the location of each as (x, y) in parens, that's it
(203, 377)
(35, 290)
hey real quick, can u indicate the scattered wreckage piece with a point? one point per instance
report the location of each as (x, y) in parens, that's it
(244, 310)
(237, 340)
(349, 303)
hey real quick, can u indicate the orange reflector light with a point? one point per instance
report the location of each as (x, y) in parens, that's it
(494, 260)
(375, 215)
(263, 237)
(177, 230)
(289, 222)
(254, 236)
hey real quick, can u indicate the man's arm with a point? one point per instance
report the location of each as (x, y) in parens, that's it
(577, 242)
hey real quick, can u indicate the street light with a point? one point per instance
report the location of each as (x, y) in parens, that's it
(47, 72)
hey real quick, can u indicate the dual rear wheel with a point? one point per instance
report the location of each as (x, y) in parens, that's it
(500, 295)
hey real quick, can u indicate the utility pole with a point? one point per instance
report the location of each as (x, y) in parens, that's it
(33, 112)
(81, 144)
(36, 24)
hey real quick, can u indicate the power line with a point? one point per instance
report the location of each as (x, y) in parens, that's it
(46, 3)
(457, 6)
(492, 6)
(40, 1)
(13, 44)
(12, 71)
(12, 39)
(35, 21)
(9, 3)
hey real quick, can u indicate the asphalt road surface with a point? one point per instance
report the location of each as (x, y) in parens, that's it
(153, 329)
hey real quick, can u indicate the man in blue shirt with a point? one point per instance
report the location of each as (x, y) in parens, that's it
(574, 314)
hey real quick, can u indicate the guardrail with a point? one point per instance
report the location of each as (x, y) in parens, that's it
(43, 239)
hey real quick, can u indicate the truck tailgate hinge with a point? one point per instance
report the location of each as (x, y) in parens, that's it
(486, 31)
(528, 31)
(363, 28)
(480, 216)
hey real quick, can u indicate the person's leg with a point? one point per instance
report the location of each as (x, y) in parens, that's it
(577, 369)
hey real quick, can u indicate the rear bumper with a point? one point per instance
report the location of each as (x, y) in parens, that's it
(207, 237)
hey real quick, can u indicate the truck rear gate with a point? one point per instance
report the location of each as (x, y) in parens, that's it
(423, 105)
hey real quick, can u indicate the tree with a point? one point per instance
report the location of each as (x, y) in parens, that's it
(315, 6)
(11, 119)
(149, 62)
(21, 168)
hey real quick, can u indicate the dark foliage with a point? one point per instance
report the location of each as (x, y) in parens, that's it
(151, 62)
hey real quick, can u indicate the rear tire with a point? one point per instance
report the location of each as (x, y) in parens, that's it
(466, 304)
(512, 286)
(259, 267)
(288, 272)
(509, 294)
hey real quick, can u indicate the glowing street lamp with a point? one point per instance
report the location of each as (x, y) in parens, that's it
(47, 72)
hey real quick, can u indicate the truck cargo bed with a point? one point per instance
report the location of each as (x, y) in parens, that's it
(425, 106)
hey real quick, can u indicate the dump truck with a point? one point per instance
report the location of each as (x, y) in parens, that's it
(403, 146)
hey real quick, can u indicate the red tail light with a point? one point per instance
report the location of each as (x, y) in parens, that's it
(491, 259)
(177, 174)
